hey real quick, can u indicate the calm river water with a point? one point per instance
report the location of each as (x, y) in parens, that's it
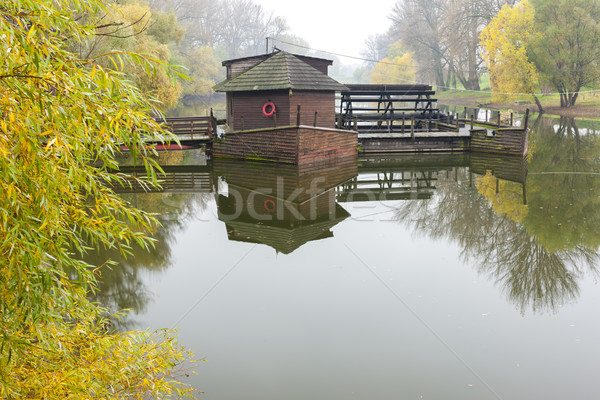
(414, 277)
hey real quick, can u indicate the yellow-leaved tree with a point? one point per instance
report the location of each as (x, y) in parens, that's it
(63, 120)
(505, 44)
(399, 70)
(134, 27)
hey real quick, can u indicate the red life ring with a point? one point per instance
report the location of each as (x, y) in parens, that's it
(269, 205)
(271, 112)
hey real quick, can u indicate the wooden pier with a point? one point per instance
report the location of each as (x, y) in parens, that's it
(405, 119)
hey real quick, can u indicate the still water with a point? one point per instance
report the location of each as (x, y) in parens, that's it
(414, 277)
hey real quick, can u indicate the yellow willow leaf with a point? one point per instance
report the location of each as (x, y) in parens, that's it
(51, 142)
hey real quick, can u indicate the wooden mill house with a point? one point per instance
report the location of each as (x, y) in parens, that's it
(281, 107)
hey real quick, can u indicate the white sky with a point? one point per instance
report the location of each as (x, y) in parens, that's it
(336, 26)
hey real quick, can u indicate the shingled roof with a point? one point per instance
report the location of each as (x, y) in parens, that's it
(281, 71)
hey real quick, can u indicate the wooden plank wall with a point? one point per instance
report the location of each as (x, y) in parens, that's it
(236, 67)
(323, 103)
(293, 145)
(418, 144)
(321, 144)
(279, 145)
(319, 64)
(502, 141)
(249, 106)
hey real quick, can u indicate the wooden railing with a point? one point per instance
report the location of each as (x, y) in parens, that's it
(191, 128)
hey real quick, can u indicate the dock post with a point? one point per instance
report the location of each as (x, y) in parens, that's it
(511, 119)
(457, 123)
(526, 119)
(412, 128)
(403, 122)
(275, 119)
(465, 116)
(472, 122)
(498, 119)
(298, 116)
(315, 122)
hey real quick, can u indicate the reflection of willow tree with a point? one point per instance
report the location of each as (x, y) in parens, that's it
(120, 285)
(488, 231)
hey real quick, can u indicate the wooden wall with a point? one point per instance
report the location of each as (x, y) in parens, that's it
(249, 106)
(502, 141)
(324, 144)
(236, 67)
(317, 63)
(290, 145)
(310, 102)
(394, 144)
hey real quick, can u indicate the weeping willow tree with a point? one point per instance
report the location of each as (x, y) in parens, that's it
(63, 120)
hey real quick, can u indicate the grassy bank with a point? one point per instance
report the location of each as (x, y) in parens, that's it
(588, 104)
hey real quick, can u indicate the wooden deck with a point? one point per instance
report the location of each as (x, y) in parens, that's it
(467, 135)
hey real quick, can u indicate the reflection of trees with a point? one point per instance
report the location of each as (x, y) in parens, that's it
(532, 275)
(564, 186)
(121, 278)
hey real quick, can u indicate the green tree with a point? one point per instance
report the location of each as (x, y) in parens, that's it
(505, 44)
(63, 119)
(566, 50)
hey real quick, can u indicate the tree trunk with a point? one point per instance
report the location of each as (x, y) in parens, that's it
(573, 98)
(539, 104)
(472, 73)
(563, 100)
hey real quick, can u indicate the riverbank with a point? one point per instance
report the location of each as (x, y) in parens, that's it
(588, 104)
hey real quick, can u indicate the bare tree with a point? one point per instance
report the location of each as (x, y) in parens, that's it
(444, 37)
(420, 25)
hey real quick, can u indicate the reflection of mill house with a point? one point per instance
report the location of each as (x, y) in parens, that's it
(282, 206)
(281, 107)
